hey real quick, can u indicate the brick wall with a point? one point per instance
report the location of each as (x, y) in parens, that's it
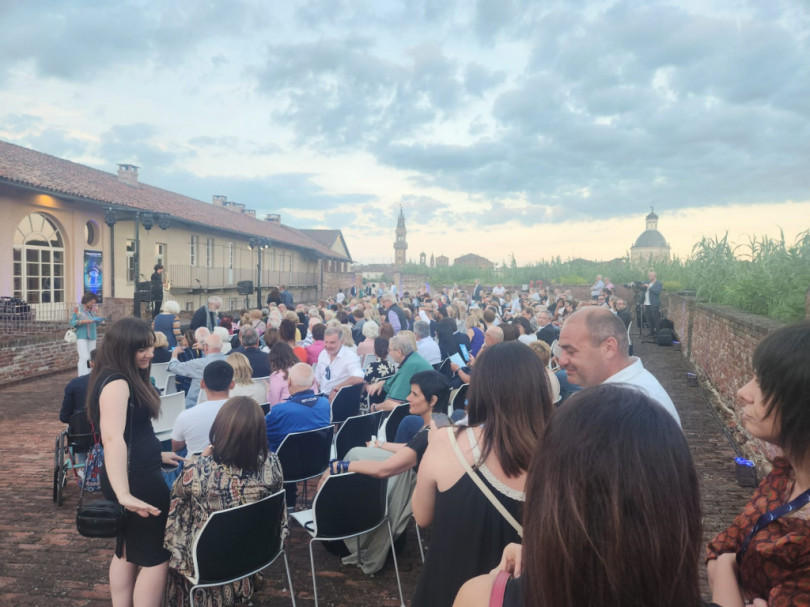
(24, 362)
(720, 342)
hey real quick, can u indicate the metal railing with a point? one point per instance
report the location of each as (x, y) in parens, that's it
(196, 277)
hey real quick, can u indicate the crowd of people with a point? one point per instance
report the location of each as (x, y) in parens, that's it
(563, 478)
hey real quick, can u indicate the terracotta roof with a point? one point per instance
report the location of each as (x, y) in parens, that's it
(27, 167)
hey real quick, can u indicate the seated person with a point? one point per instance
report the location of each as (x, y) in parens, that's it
(192, 426)
(316, 347)
(162, 352)
(338, 366)
(429, 391)
(244, 384)
(76, 393)
(303, 410)
(543, 350)
(249, 338)
(425, 344)
(234, 469)
(402, 348)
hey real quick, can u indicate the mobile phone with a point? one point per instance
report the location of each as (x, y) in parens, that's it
(464, 353)
(441, 420)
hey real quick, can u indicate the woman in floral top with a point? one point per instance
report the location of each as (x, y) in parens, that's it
(235, 469)
(775, 565)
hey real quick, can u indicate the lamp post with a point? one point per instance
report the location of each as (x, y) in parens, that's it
(259, 244)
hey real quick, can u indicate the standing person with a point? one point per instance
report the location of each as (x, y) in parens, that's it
(156, 289)
(287, 298)
(652, 302)
(206, 316)
(394, 314)
(596, 534)
(168, 322)
(509, 406)
(477, 291)
(85, 318)
(772, 563)
(121, 405)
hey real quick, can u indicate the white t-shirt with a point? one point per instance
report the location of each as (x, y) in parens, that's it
(193, 425)
(636, 375)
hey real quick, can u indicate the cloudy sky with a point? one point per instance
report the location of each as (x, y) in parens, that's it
(500, 126)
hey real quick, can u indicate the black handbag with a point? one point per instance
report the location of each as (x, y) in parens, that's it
(102, 518)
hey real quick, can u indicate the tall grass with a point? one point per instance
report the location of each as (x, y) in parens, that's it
(765, 276)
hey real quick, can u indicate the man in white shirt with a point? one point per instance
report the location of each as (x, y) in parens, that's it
(425, 345)
(596, 288)
(594, 350)
(340, 296)
(499, 290)
(337, 366)
(192, 426)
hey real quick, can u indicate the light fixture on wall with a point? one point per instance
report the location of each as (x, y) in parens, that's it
(147, 221)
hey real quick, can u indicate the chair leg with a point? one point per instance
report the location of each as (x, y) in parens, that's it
(419, 539)
(289, 577)
(312, 565)
(394, 555)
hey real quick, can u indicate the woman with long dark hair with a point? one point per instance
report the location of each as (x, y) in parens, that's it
(235, 469)
(121, 405)
(771, 561)
(509, 405)
(612, 512)
(281, 358)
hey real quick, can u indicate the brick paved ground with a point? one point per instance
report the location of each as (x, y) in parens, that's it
(43, 561)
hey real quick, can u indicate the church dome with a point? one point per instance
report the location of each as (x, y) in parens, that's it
(651, 238)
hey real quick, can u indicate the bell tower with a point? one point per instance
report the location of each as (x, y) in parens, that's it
(400, 246)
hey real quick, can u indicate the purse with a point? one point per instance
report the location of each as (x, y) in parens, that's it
(101, 518)
(70, 336)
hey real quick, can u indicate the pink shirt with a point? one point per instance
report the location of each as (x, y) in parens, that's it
(277, 389)
(313, 351)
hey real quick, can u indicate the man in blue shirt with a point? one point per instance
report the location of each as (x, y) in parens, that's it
(304, 410)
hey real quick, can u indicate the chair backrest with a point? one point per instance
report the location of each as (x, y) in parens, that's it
(629, 339)
(355, 431)
(170, 407)
(346, 403)
(368, 359)
(394, 419)
(262, 381)
(159, 372)
(305, 455)
(238, 542)
(553, 354)
(458, 398)
(80, 435)
(265, 408)
(348, 504)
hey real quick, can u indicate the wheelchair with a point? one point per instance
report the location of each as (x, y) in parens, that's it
(76, 439)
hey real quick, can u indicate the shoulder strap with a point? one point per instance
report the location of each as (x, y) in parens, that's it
(499, 589)
(769, 517)
(484, 489)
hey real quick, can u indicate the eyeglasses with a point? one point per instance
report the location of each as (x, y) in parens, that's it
(328, 373)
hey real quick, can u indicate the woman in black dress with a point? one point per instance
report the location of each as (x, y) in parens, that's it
(121, 405)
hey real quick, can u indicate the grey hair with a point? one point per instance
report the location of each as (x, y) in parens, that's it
(370, 329)
(248, 336)
(333, 330)
(170, 307)
(422, 329)
(403, 343)
(215, 300)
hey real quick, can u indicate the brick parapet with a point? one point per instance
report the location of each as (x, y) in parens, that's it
(720, 342)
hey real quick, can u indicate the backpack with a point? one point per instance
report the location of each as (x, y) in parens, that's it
(665, 337)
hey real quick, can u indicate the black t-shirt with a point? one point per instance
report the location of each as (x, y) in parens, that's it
(419, 443)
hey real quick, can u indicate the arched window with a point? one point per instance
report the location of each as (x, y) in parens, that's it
(39, 261)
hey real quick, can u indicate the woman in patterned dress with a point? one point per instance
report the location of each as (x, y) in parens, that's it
(235, 469)
(775, 564)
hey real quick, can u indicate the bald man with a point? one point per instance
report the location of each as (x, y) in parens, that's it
(594, 350)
